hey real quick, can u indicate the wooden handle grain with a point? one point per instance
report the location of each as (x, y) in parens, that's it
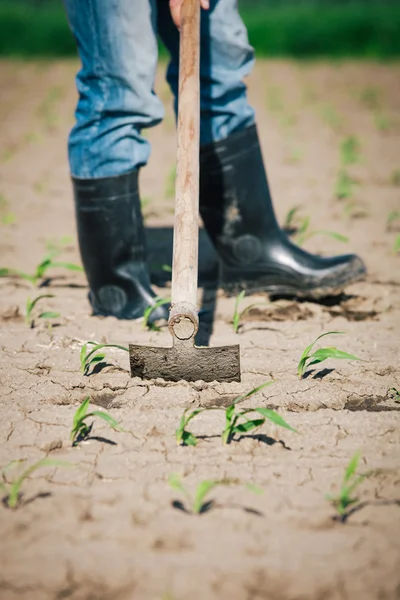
(186, 228)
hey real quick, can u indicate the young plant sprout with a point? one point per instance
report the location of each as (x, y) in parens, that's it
(93, 357)
(350, 482)
(307, 358)
(196, 504)
(237, 421)
(30, 305)
(349, 151)
(331, 117)
(395, 394)
(392, 217)
(237, 315)
(46, 263)
(303, 233)
(290, 223)
(149, 310)
(12, 489)
(344, 185)
(80, 430)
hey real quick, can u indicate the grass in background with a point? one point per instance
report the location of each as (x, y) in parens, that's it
(303, 30)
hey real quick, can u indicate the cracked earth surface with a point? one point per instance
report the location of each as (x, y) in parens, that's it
(106, 528)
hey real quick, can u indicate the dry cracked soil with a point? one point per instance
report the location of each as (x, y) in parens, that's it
(109, 527)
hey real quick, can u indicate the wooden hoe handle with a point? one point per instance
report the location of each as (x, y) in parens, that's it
(183, 320)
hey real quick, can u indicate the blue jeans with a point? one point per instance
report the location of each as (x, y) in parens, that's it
(117, 43)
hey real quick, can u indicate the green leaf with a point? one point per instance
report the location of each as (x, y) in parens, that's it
(392, 217)
(203, 488)
(83, 357)
(236, 315)
(251, 392)
(336, 236)
(175, 482)
(49, 315)
(305, 355)
(189, 439)
(194, 413)
(325, 353)
(100, 346)
(290, 216)
(16, 485)
(152, 307)
(254, 488)
(274, 417)
(113, 423)
(396, 245)
(36, 300)
(67, 265)
(4, 272)
(248, 426)
(96, 359)
(79, 416)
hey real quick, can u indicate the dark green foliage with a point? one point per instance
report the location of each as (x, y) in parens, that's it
(302, 30)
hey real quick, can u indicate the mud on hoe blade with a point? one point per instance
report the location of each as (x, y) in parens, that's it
(184, 360)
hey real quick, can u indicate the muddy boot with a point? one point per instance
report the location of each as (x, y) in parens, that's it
(255, 254)
(112, 245)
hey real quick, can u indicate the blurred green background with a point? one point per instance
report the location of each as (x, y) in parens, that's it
(280, 28)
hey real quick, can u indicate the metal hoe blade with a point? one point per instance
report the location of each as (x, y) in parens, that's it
(185, 361)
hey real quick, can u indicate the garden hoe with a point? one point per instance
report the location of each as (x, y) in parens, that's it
(184, 360)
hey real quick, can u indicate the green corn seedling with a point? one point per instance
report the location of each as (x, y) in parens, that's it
(290, 222)
(395, 394)
(331, 117)
(46, 263)
(80, 430)
(237, 421)
(349, 151)
(58, 245)
(197, 504)
(344, 185)
(392, 217)
(92, 357)
(149, 310)
(304, 233)
(30, 305)
(237, 315)
(12, 489)
(350, 482)
(307, 358)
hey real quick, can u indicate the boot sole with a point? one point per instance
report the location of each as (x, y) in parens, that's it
(315, 293)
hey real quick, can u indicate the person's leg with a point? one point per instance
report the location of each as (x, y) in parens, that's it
(235, 200)
(118, 50)
(226, 58)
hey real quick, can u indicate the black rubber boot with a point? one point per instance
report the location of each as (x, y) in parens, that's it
(112, 245)
(255, 254)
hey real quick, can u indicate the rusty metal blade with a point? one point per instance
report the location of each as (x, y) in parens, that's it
(185, 361)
